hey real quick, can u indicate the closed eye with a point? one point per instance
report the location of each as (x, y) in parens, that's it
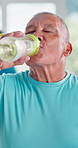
(30, 32)
(47, 31)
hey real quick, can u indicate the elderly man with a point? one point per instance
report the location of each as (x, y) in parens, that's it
(39, 107)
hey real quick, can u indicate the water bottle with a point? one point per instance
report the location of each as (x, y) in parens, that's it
(13, 48)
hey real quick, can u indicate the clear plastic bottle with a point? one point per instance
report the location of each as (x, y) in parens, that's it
(12, 48)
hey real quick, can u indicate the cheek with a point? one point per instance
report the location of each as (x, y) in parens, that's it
(51, 43)
(54, 46)
(53, 53)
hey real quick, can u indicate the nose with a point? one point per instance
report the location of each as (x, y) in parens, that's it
(39, 36)
(38, 33)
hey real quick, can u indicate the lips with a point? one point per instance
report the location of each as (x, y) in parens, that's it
(41, 45)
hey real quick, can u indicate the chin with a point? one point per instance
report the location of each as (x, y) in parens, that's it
(36, 59)
(33, 60)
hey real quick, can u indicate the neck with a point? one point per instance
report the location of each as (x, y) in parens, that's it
(48, 73)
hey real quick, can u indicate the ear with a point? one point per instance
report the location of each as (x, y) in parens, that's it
(68, 49)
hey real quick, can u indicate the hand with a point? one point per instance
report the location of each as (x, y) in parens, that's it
(24, 59)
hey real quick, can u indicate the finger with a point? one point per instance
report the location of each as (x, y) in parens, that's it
(18, 34)
(5, 65)
(14, 34)
(8, 34)
(22, 60)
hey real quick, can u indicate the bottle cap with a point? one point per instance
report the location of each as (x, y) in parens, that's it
(35, 46)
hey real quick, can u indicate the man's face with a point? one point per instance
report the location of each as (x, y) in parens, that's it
(47, 29)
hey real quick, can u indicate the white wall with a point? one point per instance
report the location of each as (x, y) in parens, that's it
(60, 7)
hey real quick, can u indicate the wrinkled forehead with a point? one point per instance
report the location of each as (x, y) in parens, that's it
(45, 19)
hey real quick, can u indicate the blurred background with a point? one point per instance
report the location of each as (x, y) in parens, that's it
(14, 15)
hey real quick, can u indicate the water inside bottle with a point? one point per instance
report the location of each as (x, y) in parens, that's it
(7, 52)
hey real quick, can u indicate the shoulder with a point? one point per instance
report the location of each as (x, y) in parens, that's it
(73, 80)
(9, 79)
(74, 77)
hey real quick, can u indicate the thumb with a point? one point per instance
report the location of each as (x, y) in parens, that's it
(22, 60)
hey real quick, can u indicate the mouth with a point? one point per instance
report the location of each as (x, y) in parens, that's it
(41, 45)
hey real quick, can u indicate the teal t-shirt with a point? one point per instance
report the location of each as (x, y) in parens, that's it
(35, 114)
